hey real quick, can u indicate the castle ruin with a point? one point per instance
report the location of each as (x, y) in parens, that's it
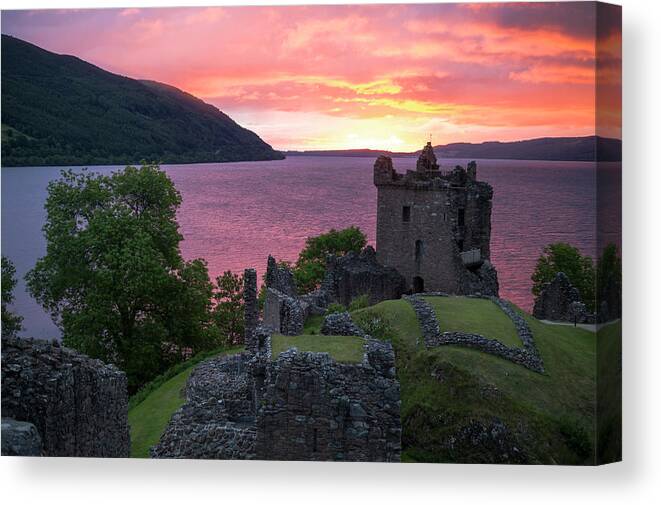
(434, 227)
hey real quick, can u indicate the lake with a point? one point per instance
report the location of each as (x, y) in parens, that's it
(235, 214)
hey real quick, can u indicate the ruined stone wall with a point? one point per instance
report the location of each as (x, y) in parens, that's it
(284, 314)
(302, 406)
(315, 409)
(356, 274)
(218, 419)
(79, 405)
(555, 300)
(250, 308)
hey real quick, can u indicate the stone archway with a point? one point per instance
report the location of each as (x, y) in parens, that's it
(418, 284)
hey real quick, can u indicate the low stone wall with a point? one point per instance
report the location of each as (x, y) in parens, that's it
(340, 323)
(527, 356)
(78, 405)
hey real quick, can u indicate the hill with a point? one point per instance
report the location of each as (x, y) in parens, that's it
(590, 148)
(459, 404)
(60, 110)
(547, 149)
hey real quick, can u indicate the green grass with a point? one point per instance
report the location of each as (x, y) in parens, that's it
(474, 315)
(609, 393)
(313, 325)
(343, 349)
(149, 417)
(445, 389)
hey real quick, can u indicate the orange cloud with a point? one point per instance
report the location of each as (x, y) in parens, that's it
(334, 76)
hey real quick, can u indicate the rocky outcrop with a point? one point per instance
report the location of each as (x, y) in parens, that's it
(20, 438)
(78, 405)
(356, 274)
(555, 300)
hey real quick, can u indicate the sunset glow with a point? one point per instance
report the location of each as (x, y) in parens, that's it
(375, 76)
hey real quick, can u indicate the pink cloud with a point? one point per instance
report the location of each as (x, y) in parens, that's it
(466, 70)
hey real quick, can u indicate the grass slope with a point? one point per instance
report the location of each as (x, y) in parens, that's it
(343, 349)
(474, 315)
(149, 417)
(445, 390)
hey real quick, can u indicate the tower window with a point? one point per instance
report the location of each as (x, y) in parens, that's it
(461, 217)
(406, 213)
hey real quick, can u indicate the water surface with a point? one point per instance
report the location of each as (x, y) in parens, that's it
(235, 214)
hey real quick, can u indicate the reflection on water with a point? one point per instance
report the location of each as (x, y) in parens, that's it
(235, 214)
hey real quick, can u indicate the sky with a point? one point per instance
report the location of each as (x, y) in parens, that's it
(362, 76)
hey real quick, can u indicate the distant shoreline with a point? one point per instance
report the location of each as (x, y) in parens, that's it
(591, 148)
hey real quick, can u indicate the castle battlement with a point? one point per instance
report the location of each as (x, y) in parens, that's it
(434, 226)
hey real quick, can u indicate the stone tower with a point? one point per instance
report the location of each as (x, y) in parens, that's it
(434, 227)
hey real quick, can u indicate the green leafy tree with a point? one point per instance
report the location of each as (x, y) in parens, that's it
(228, 311)
(11, 323)
(113, 278)
(311, 264)
(562, 257)
(609, 279)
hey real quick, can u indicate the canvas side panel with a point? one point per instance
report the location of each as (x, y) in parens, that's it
(608, 107)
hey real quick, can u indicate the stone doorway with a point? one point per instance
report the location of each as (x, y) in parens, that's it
(418, 284)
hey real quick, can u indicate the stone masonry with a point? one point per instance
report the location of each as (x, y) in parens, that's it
(434, 227)
(250, 308)
(356, 274)
(346, 278)
(78, 405)
(301, 406)
(556, 301)
(316, 409)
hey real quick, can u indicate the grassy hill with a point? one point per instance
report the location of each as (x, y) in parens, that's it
(60, 110)
(459, 404)
(454, 399)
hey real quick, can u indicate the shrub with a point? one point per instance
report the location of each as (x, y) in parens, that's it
(360, 302)
(562, 257)
(375, 325)
(576, 437)
(334, 308)
(311, 264)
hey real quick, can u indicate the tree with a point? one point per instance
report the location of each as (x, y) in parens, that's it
(113, 278)
(228, 312)
(311, 264)
(11, 323)
(562, 257)
(609, 281)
